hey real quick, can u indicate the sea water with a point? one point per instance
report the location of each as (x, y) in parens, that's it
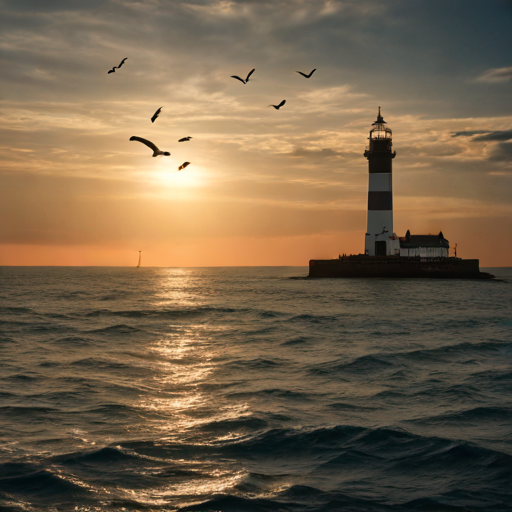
(253, 389)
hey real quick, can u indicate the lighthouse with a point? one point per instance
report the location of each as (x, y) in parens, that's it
(380, 239)
(385, 254)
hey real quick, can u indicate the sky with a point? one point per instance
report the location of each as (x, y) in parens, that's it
(265, 186)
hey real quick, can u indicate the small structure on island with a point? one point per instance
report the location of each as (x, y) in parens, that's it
(424, 246)
(386, 254)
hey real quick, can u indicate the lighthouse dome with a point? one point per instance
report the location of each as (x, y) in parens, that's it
(380, 131)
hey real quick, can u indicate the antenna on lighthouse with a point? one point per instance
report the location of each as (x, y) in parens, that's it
(455, 250)
(140, 258)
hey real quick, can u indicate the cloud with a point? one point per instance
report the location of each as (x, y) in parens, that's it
(65, 123)
(495, 136)
(316, 153)
(486, 135)
(496, 75)
(502, 152)
(469, 133)
(49, 5)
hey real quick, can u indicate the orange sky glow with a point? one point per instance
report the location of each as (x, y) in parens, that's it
(265, 186)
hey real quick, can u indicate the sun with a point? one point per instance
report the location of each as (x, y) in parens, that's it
(188, 178)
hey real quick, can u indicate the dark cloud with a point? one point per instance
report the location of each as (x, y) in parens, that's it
(469, 133)
(502, 152)
(173, 39)
(488, 136)
(46, 6)
(316, 153)
(498, 136)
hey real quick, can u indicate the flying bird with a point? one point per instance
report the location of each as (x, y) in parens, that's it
(241, 79)
(277, 107)
(304, 74)
(156, 114)
(150, 145)
(185, 139)
(113, 70)
(384, 230)
(183, 165)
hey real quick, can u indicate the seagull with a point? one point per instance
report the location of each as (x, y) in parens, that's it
(185, 139)
(150, 145)
(156, 114)
(277, 107)
(183, 165)
(384, 230)
(241, 79)
(113, 70)
(304, 74)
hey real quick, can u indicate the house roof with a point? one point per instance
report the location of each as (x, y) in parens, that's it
(414, 241)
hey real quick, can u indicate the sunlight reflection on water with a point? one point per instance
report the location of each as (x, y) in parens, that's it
(191, 386)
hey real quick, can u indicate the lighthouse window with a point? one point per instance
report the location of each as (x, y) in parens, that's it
(381, 134)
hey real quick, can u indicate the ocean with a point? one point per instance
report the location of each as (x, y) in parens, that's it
(253, 389)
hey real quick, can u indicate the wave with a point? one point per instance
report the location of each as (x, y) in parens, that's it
(313, 319)
(103, 364)
(363, 366)
(396, 361)
(248, 424)
(163, 313)
(479, 415)
(465, 348)
(355, 453)
(310, 499)
(74, 340)
(274, 392)
(26, 410)
(236, 503)
(105, 455)
(15, 310)
(256, 393)
(299, 340)
(117, 329)
(495, 376)
(258, 363)
(23, 377)
(30, 480)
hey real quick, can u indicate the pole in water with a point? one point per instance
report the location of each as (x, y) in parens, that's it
(140, 257)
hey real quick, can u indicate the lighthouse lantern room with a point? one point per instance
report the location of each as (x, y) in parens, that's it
(380, 240)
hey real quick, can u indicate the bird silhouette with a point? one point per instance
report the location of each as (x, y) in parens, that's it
(149, 144)
(183, 165)
(304, 74)
(241, 79)
(384, 230)
(185, 139)
(277, 107)
(156, 114)
(113, 70)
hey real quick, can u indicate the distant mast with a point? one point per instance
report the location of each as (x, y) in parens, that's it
(140, 257)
